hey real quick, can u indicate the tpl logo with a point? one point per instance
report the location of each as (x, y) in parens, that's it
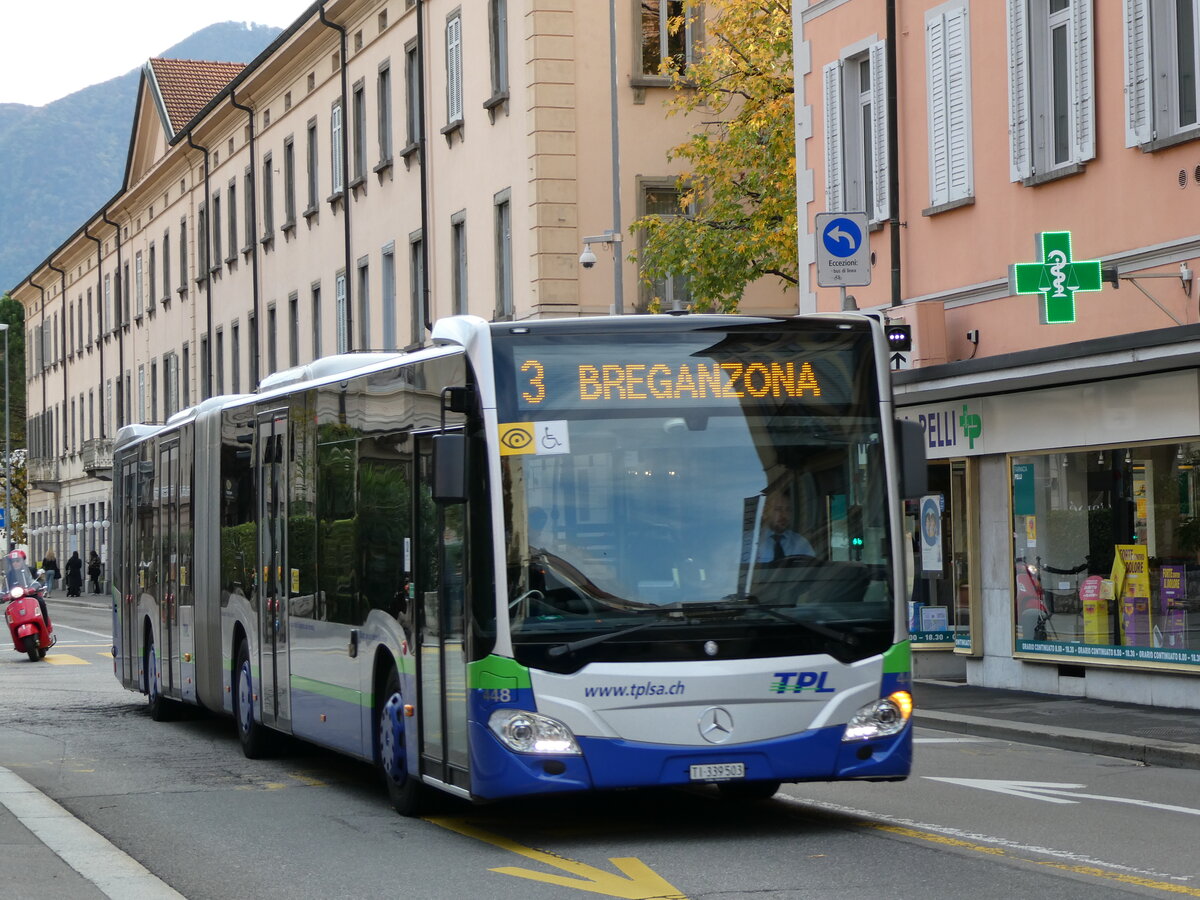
(800, 682)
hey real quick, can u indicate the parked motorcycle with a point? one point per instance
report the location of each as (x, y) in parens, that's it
(23, 597)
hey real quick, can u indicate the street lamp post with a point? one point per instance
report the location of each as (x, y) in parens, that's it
(8, 516)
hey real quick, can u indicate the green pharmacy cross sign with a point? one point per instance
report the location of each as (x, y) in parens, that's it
(1057, 277)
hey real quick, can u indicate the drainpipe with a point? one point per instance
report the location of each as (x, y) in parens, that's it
(893, 153)
(346, 174)
(116, 315)
(253, 236)
(421, 148)
(208, 366)
(99, 299)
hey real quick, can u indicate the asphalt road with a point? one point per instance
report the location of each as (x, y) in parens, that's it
(181, 799)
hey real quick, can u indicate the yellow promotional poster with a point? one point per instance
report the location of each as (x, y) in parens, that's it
(1135, 594)
(1096, 628)
(1031, 531)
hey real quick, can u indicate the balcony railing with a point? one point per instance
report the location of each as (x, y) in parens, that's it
(97, 458)
(43, 473)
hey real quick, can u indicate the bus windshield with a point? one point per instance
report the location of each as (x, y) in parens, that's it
(677, 486)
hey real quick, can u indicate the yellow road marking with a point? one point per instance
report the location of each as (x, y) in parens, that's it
(637, 880)
(65, 659)
(1092, 871)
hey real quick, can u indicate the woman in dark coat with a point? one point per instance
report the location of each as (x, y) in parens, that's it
(93, 571)
(74, 580)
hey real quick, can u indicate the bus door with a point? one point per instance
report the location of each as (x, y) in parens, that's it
(167, 502)
(441, 581)
(124, 575)
(272, 574)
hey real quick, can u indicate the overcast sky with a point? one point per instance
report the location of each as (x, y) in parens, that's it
(52, 49)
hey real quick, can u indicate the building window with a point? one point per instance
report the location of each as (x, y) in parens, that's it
(504, 275)
(166, 272)
(856, 158)
(289, 183)
(138, 285)
(341, 313)
(359, 99)
(387, 286)
(255, 343)
(660, 42)
(315, 298)
(412, 96)
(231, 220)
(1050, 89)
(416, 287)
(293, 329)
(141, 394)
(206, 387)
(364, 306)
(454, 69)
(183, 257)
(185, 376)
(1162, 70)
(268, 198)
(335, 152)
(215, 262)
(384, 89)
(154, 391)
(170, 385)
(660, 197)
(124, 303)
(948, 78)
(219, 362)
(107, 312)
(152, 275)
(498, 38)
(458, 260)
(312, 165)
(248, 200)
(202, 260)
(235, 358)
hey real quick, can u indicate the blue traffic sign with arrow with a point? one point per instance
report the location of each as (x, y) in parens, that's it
(841, 237)
(843, 249)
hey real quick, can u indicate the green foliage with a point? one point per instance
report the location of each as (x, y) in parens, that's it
(738, 197)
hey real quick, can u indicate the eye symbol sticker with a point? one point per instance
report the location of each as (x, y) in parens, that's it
(516, 438)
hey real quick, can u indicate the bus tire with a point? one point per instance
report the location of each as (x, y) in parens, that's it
(748, 790)
(254, 737)
(407, 795)
(158, 705)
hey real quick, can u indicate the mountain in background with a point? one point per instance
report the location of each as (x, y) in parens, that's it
(60, 162)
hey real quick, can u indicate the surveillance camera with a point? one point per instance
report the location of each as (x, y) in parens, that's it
(587, 258)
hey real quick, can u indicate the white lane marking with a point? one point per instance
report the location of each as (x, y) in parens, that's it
(1054, 792)
(976, 837)
(99, 634)
(963, 740)
(114, 872)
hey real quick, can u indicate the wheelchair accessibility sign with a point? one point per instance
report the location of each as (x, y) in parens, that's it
(539, 438)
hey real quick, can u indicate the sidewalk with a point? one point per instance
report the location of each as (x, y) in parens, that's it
(1152, 735)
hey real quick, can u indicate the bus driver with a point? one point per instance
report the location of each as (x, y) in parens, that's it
(777, 540)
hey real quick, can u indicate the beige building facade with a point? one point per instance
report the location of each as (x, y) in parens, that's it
(278, 212)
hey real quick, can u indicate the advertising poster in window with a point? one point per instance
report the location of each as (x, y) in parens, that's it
(931, 534)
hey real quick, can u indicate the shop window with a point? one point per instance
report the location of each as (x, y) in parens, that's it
(940, 609)
(1107, 553)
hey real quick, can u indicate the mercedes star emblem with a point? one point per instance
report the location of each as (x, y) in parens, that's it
(716, 725)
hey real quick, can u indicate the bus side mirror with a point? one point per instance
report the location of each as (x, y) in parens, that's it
(914, 476)
(450, 468)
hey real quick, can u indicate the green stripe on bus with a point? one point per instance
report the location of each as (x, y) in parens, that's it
(325, 689)
(497, 672)
(898, 659)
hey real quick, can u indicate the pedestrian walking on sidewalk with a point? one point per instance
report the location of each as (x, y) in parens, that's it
(93, 572)
(53, 572)
(74, 579)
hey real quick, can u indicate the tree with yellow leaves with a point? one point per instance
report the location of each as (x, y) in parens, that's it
(737, 203)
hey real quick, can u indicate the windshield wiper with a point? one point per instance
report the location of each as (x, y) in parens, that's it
(748, 603)
(572, 646)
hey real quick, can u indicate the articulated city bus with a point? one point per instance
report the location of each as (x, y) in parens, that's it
(539, 557)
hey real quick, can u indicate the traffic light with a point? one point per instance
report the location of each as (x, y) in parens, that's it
(899, 337)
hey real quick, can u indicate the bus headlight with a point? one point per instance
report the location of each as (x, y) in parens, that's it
(880, 718)
(528, 732)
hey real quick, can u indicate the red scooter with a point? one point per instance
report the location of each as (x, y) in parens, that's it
(28, 625)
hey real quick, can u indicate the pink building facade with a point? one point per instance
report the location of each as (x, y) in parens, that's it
(1062, 423)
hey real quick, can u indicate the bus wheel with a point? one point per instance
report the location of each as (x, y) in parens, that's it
(748, 790)
(404, 791)
(253, 735)
(156, 702)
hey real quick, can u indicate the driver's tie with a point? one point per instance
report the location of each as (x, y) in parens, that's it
(779, 554)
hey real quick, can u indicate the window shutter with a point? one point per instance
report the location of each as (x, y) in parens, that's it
(879, 131)
(833, 136)
(935, 79)
(1085, 81)
(335, 133)
(958, 104)
(1139, 120)
(343, 334)
(1020, 161)
(454, 112)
